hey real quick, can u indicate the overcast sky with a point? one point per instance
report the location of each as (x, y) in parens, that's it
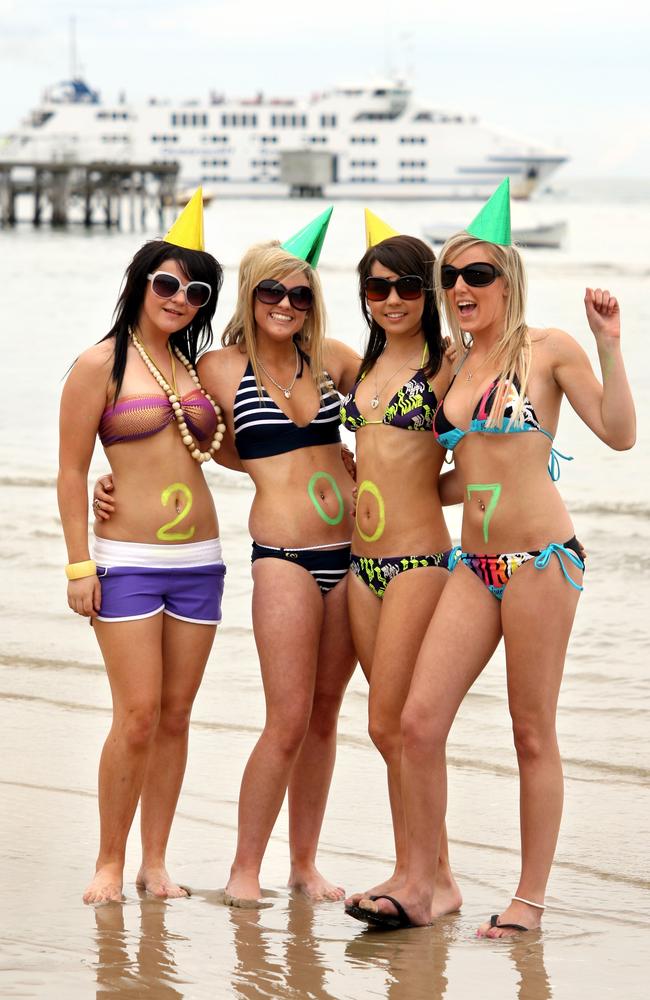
(564, 74)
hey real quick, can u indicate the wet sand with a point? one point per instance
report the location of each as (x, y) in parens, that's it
(55, 711)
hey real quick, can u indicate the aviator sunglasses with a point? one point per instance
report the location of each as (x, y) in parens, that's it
(409, 286)
(271, 292)
(475, 275)
(166, 286)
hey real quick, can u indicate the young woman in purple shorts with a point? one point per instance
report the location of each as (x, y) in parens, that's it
(153, 585)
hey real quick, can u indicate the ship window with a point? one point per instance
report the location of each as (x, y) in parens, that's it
(412, 163)
(268, 138)
(114, 138)
(214, 163)
(265, 163)
(288, 121)
(244, 120)
(164, 138)
(363, 163)
(215, 178)
(412, 180)
(410, 139)
(363, 139)
(362, 180)
(113, 115)
(214, 138)
(188, 119)
(315, 139)
(328, 121)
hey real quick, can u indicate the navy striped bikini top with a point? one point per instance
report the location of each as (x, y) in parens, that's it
(262, 429)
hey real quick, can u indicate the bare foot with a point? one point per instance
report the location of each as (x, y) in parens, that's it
(528, 917)
(244, 891)
(155, 880)
(390, 886)
(309, 881)
(106, 886)
(446, 898)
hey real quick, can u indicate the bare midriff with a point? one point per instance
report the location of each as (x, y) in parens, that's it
(529, 512)
(157, 482)
(398, 506)
(303, 498)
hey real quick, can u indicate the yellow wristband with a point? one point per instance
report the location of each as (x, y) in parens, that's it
(76, 571)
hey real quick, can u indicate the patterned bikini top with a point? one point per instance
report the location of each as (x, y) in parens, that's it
(136, 417)
(262, 429)
(412, 408)
(449, 436)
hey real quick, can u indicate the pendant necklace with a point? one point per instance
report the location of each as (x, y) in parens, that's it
(285, 390)
(470, 375)
(374, 402)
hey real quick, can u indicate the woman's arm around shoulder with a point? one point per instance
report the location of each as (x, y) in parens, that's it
(342, 363)
(607, 409)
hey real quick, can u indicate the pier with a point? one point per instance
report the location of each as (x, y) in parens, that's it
(94, 193)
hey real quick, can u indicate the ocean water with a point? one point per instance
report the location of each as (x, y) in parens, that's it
(59, 292)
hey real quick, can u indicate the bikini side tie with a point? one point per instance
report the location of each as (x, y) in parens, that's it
(555, 549)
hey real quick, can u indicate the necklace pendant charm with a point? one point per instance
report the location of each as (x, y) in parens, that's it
(287, 394)
(374, 402)
(469, 376)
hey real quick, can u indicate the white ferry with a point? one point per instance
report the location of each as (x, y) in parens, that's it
(370, 141)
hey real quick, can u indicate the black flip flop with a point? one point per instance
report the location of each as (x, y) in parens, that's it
(510, 927)
(386, 920)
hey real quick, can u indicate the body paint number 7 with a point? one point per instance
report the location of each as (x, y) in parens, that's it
(495, 490)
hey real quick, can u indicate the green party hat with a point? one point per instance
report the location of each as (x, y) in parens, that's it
(492, 223)
(308, 242)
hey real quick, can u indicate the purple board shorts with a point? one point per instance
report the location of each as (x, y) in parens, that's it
(191, 593)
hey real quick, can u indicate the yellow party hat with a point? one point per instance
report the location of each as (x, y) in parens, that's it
(376, 229)
(187, 231)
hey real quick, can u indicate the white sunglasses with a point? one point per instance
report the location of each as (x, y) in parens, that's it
(166, 285)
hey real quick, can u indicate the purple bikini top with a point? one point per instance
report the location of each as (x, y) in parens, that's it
(135, 417)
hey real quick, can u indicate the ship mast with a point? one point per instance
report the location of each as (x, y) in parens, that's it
(73, 48)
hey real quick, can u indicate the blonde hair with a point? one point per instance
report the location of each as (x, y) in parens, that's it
(512, 352)
(269, 260)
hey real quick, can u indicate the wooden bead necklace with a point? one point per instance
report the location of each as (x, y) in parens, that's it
(175, 399)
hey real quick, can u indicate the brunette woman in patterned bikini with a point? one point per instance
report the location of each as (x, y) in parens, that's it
(401, 549)
(520, 570)
(153, 590)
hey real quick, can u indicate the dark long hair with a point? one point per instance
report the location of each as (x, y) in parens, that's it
(402, 255)
(193, 338)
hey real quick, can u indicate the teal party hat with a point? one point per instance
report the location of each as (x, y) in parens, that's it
(308, 242)
(492, 223)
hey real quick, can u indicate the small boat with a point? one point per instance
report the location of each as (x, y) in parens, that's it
(549, 236)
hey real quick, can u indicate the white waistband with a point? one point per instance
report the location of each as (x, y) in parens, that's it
(107, 553)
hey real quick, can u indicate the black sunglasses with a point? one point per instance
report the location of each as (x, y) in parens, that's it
(271, 292)
(409, 286)
(166, 286)
(475, 275)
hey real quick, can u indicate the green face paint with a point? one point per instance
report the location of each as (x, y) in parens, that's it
(495, 490)
(316, 501)
(367, 486)
(165, 534)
